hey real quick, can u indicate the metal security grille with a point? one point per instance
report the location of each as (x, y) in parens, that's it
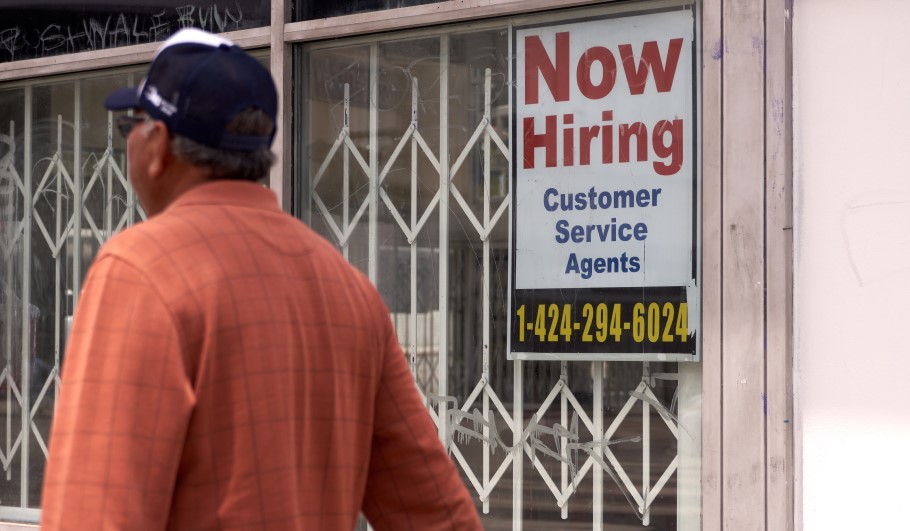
(58, 208)
(490, 430)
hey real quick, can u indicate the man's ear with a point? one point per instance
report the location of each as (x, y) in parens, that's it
(158, 144)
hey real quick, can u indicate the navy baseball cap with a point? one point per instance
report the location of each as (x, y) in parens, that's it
(197, 82)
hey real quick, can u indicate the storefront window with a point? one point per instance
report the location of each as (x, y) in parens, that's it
(63, 193)
(404, 164)
(43, 29)
(403, 161)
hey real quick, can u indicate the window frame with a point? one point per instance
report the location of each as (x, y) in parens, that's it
(758, 343)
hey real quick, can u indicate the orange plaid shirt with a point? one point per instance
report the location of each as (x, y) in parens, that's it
(228, 369)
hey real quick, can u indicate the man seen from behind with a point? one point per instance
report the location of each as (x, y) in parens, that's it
(227, 369)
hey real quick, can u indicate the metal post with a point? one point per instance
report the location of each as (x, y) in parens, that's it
(646, 448)
(443, 339)
(59, 257)
(130, 194)
(564, 420)
(77, 201)
(412, 318)
(26, 298)
(598, 420)
(9, 312)
(374, 165)
(8, 348)
(486, 281)
(109, 209)
(517, 390)
(346, 176)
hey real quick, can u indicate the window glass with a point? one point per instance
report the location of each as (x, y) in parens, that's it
(53, 27)
(63, 193)
(314, 9)
(18, 318)
(404, 165)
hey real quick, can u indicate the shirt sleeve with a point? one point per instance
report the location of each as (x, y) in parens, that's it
(123, 409)
(412, 482)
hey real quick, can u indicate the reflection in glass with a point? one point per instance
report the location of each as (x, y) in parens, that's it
(63, 193)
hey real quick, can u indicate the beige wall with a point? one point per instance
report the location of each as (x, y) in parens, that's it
(852, 262)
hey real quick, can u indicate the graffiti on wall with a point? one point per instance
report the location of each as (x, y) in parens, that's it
(72, 34)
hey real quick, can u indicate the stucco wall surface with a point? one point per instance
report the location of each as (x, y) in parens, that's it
(852, 263)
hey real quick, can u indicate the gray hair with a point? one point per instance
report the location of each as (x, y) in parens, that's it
(229, 164)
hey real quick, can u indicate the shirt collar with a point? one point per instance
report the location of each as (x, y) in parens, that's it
(225, 192)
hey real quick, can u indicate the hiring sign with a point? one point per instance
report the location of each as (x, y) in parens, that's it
(605, 188)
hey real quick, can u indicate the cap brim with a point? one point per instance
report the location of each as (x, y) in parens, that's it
(121, 99)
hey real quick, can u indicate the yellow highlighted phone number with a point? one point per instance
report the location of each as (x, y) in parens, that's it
(658, 323)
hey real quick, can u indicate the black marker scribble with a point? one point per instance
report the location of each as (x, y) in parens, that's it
(118, 29)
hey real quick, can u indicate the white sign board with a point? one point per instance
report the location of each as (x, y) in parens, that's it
(604, 189)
